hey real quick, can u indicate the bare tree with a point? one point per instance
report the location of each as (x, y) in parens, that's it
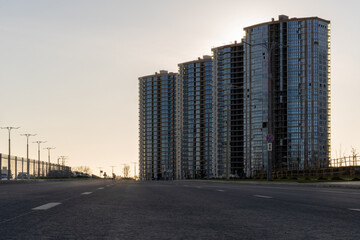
(354, 154)
(83, 169)
(126, 170)
(87, 170)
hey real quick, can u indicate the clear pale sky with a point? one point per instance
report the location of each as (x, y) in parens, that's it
(69, 68)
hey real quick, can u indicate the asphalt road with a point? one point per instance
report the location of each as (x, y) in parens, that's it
(100, 209)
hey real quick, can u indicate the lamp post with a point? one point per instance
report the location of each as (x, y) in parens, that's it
(49, 148)
(123, 168)
(9, 157)
(63, 159)
(38, 143)
(112, 171)
(100, 171)
(134, 169)
(27, 135)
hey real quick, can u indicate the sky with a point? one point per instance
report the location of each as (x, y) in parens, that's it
(69, 68)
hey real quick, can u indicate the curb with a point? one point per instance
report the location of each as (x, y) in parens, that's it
(347, 184)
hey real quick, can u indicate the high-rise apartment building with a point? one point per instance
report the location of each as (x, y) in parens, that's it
(275, 81)
(287, 93)
(157, 141)
(194, 121)
(228, 108)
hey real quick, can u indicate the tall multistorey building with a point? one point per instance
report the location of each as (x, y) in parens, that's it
(228, 109)
(157, 137)
(287, 93)
(276, 81)
(194, 119)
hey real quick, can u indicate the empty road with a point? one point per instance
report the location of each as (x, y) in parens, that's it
(105, 209)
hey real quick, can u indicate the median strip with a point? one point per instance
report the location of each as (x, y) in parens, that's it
(47, 206)
(262, 196)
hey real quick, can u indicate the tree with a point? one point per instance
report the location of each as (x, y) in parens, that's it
(354, 154)
(83, 169)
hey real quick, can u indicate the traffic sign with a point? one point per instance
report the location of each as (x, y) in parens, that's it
(270, 138)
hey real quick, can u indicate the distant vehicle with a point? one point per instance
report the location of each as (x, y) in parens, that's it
(80, 174)
(22, 175)
(5, 176)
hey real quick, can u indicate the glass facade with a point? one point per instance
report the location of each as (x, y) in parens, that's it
(288, 80)
(195, 120)
(228, 95)
(157, 126)
(212, 118)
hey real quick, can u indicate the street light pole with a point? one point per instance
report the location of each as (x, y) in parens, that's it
(27, 135)
(63, 158)
(49, 148)
(112, 170)
(9, 157)
(124, 164)
(100, 171)
(38, 143)
(135, 169)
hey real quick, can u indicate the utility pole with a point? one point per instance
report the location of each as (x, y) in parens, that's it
(135, 169)
(27, 135)
(123, 168)
(100, 171)
(38, 143)
(49, 148)
(63, 159)
(9, 157)
(112, 170)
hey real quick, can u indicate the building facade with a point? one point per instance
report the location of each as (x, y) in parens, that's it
(275, 81)
(157, 141)
(228, 108)
(287, 81)
(194, 121)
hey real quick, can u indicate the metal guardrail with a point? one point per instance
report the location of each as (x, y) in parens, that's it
(345, 161)
(344, 166)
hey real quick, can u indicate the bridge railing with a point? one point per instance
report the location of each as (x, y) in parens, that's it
(23, 168)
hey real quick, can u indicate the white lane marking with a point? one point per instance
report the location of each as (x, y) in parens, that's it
(108, 185)
(262, 196)
(86, 193)
(186, 185)
(354, 209)
(21, 215)
(220, 190)
(47, 206)
(100, 188)
(332, 192)
(198, 187)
